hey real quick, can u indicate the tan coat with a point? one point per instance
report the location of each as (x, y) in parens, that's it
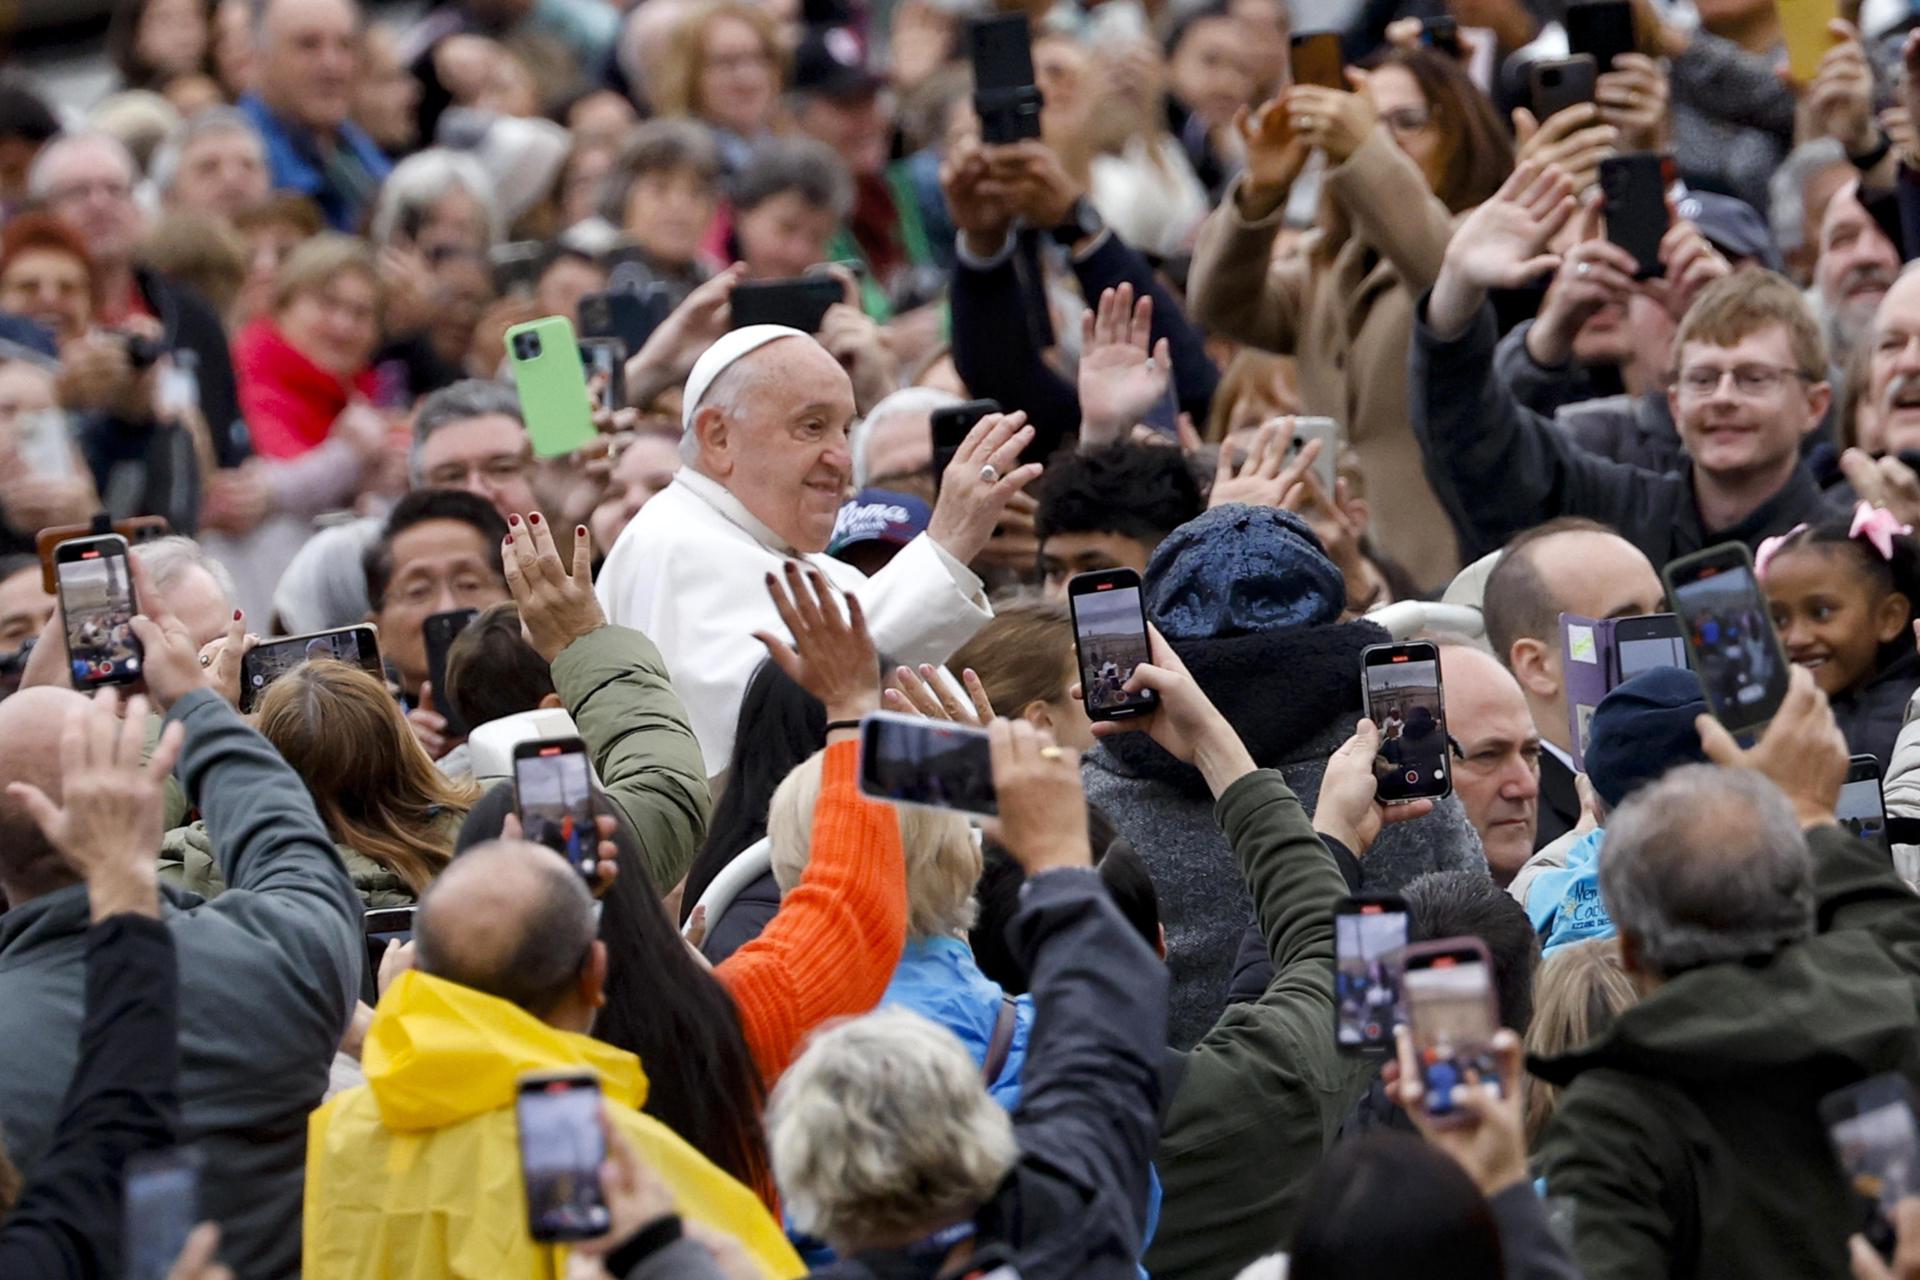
(1348, 323)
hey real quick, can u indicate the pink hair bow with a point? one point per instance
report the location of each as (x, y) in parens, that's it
(1764, 556)
(1878, 526)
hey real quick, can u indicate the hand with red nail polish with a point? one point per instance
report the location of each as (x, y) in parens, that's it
(556, 607)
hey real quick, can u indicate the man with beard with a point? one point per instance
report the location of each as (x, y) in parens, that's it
(1857, 265)
(1893, 370)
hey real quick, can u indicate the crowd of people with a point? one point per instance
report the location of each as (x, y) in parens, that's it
(1329, 362)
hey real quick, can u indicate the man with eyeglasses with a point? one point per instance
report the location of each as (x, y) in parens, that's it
(1750, 382)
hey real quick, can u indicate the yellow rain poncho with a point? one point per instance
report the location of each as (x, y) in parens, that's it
(416, 1174)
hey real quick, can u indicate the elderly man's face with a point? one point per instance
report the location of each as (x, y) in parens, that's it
(779, 443)
(309, 56)
(221, 174)
(438, 566)
(1857, 264)
(488, 456)
(1497, 773)
(89, 186)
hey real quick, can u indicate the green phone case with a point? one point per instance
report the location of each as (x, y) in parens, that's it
(552, 385)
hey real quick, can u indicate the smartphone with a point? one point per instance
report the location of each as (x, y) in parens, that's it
(552, 386)
(1633, 190)
(516, 267)
(161, 1209)
(136, 530)
(95, 586)
(1316, 59)
(1643, 643)
(271, 659)
(604, 361)
(800, 303)
(1110, 640)
(1369, 935)
(1803, 27)
(389, 922)
(1326, 468)
(1554, 84)
(931, 763)
(439, 631)
(1863, 808)
(1728, 626)
(1453, 1015)
(1601, 29)
(1401, 684)
(1442, 33)
(561, 1149)
(553, 794)
(1877, 1142)
(631, 315)
(950, 428)
(1004, 94)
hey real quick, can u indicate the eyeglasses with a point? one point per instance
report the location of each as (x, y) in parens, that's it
(1406, 120)
(503, 468)
(1701, 381)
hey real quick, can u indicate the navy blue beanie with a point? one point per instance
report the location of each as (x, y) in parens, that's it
(1241, 570)
(1642, 729)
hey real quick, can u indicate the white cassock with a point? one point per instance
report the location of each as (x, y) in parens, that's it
(690, 571)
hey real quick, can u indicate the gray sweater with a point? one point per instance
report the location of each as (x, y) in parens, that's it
(268, 976)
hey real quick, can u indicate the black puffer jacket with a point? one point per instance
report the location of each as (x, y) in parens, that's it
(1871, 718)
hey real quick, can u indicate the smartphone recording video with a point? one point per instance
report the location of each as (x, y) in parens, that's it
(908, 760)
(1401, 683)
(1643, 643)
(95, 585)
(1453, 1016)
(161, 1209)
(271, 659)
(1862, 808)
(1110, 637)
(1369, 935)
(604, 360)
(1728, 626)
(1875, 1137)
(553, 793)
(561, 1150)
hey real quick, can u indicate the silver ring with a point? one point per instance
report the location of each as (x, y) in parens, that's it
(206, 659)
(1308, 122)
(1583, 268)
(990, 474)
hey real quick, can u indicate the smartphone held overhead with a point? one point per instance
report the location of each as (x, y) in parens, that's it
(95, 585)
(1110, 640)
(931, 763)
(1369, 942)
(1453, 1015)
(553, 794)
(552, 385)
(1728, 626)
(1401, 685)
(271, 659)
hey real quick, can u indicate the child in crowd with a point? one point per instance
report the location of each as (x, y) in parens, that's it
(1844, 593)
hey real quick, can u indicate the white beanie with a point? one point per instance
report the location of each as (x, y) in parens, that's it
(719, 357)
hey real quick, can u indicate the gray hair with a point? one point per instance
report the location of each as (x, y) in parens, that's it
(882, 1128)
(914, 401)
(459, 402)
(419, 181)
(1787, 191)
(813, 170)
(169, 559)
(658, 146)
(165, 166)
(39, 185)
(1707, 866)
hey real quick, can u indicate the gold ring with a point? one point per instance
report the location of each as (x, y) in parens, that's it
(1052, 753)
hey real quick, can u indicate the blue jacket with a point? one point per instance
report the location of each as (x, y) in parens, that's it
(296, 165)
(1564, 903)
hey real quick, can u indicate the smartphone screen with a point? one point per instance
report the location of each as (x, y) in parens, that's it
(553, 792)
(1728, 626)
(96, 599)
(1369, 935)
(1110, 637)
(1453, 1017)
(950, 428)
(271, 659)
(1863, 809)
(604, 361)
(908, 760)
(1316, 59)
(561, 1150)
(1402, 687)
(440, 630)
(162, 1208)
(1643, 643)
(1877, 1142)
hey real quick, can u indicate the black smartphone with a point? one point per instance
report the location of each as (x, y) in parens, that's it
(1554, 84)
(162, 1207)
(1602, 29)
(1316, 59)
(1401, 684)
(382, 926)
(1442, 33)
(562, 1147)
(950, 428)
(631, 315)
(1633, 191)
(605, 362)
(800, 303)
(1110, 640)
(1728, 625)
(1453, 1015)
(95, 585)
(1877, 1141)
(932, 763)
(270, 659)
(553, 794)
(1004, 94)
(516, 266)
(1369, 937)
(439, 632)
(1645, 642)
(1863, 806)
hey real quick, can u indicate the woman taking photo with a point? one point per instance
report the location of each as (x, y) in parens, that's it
(1414, 147)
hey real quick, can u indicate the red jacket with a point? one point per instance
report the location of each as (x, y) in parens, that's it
(288, 401)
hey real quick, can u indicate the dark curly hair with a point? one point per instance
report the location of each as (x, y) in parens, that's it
(1143, 491)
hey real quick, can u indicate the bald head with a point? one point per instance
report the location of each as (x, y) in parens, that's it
(511, 919)
(31, 722)
(1497, 774)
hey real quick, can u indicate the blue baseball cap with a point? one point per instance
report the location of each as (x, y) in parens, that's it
(879, 515)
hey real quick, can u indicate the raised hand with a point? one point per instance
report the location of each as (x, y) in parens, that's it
(1043, 809)
(1802, 751)
(831, 656)
(556, 607)
(980, 202)
(1184, 722)
(1501, 245)
(1331, 120)
(1265, 476)
(1576, 140)
(1349, 808)
(1485, 1133)
(1633, 99)
(982, 479)
(1838, 102)
(927, 693)
(1123, 374)
(1275, 156)
(169, 660)
(1692, 264)
(1594, 273)
(667, 357)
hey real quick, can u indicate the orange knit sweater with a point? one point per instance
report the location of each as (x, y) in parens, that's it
(837, 939)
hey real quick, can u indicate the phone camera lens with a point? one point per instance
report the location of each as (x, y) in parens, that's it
(1551, 79)
(526, 345)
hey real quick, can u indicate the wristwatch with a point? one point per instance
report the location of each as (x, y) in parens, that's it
(1083, 223)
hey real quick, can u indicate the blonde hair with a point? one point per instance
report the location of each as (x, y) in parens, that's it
(1576, 997)
(316, 262)
(371, 781)
(943, 863)
(882, 1128)
(675, 91)
(1023, 656)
